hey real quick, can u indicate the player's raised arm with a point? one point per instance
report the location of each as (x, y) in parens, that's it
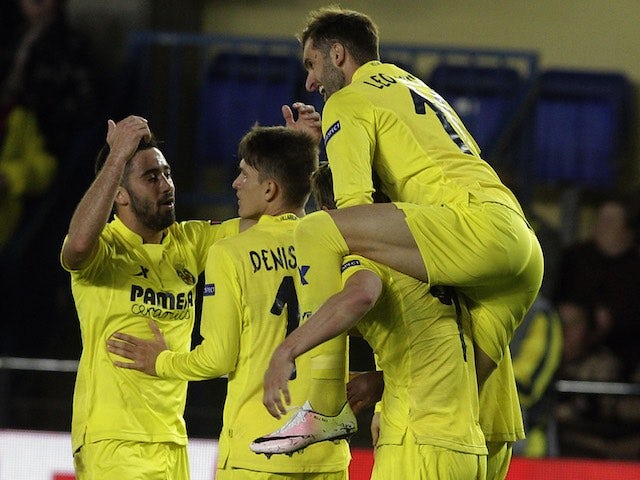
(94, 209)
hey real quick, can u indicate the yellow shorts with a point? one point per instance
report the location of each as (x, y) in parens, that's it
(241, 474)
(117, 460)
(490, 254)
(500, 412)
(411, 461)
(498, 460)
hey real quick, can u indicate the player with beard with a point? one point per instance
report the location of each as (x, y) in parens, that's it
(140, 266)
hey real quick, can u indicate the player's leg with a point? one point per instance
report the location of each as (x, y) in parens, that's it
(380, 232)
(319, 251)
(326, 414)
(322, 240)
(491, 256)
(487, 251)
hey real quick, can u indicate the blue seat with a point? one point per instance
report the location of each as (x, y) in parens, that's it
(579, 121)
(238, 91)
(485, 98)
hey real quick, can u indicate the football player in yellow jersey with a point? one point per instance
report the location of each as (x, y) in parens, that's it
(141, 265)
(452, 222)
(499, 410)
(249, 305)
(429, 417)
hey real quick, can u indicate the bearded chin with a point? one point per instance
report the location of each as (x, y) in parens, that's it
(161, 221)
(153, 221)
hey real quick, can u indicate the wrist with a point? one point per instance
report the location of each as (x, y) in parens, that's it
(285, 352)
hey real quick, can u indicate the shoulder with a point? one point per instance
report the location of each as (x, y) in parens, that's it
(355, 263)
(195, 228)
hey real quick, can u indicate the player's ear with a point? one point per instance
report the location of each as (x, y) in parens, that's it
(271, 190)
(122, 196)
(338, 54)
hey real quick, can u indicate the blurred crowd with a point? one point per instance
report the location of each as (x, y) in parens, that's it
(582, 328)
(49, 96)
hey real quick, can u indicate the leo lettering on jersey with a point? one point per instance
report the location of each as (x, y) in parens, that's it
(383, 80)
(268, 259)
(380, 80)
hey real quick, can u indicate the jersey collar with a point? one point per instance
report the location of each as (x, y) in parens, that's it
(132, 237)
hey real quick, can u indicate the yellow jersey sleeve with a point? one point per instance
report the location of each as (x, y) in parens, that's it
(220, 328)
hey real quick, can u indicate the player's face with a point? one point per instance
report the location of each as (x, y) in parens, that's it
(151, 190)
(322, 74)
(250, 192)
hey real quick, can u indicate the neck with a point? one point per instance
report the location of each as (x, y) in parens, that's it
(275, 212)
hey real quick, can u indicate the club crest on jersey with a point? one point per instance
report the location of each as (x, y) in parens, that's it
(209, 290)
(349, 264)
(333, 129)
(186, 276)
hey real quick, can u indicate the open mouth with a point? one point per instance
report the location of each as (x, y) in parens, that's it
(169, 202)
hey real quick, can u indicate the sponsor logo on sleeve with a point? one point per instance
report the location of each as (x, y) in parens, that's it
(349, 264)
(333, 129)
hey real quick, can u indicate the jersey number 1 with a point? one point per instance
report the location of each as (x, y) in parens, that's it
(287, 296)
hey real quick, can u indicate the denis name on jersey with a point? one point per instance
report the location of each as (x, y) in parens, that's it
(282, 257)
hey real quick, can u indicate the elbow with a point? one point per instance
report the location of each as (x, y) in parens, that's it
(75, 253)
(362, 291)
(362, 300)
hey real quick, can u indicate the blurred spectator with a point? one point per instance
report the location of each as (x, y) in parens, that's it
(598, 293)
(47, 95)
(48, 104)
(26, 167)
(50, 70)
(598, 299)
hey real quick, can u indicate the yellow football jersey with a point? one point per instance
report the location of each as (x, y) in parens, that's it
(249, 305)
(127, 284)
(430, 388)
(389, 122)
